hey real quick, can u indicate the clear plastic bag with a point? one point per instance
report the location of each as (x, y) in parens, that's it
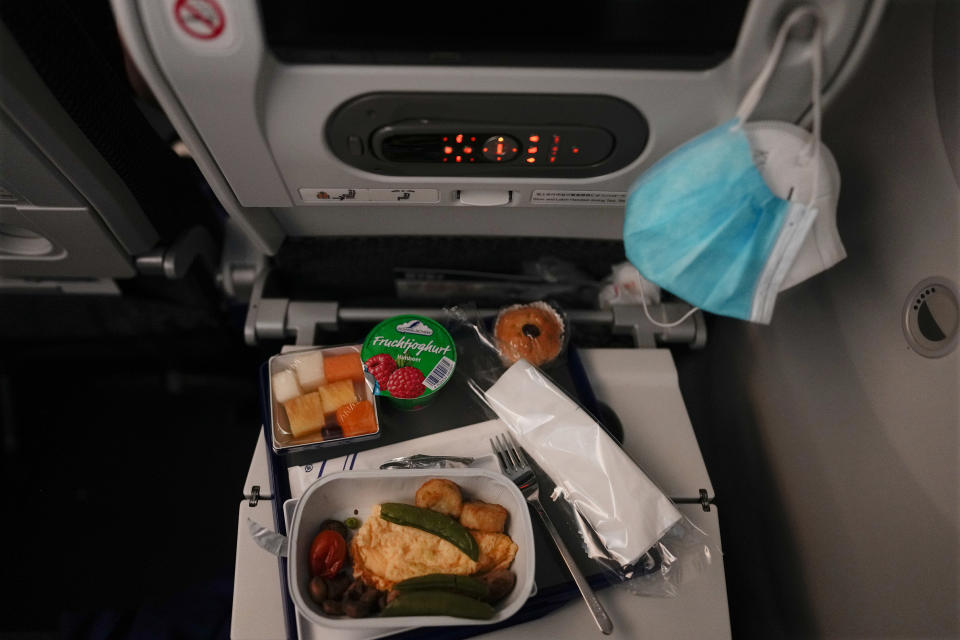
(625, 522)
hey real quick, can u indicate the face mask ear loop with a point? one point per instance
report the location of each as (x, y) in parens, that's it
(755, 92)
(817, 73)
(665, 325)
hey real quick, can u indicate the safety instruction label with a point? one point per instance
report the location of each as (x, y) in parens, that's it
(339, 195)
(544, 196)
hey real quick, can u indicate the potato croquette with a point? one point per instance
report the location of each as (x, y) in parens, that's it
(441, 496)
(497, 550)
(483, 517)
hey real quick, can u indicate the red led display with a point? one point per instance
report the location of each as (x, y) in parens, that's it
(554, 148)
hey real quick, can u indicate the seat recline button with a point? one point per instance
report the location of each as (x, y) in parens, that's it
(484, 198)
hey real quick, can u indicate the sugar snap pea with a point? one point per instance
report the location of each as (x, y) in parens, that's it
(438, 603)
(431, 522)
(446, 582)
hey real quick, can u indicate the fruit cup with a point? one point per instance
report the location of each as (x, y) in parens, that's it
(320, 397)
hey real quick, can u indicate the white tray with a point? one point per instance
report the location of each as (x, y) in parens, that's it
(339, 494)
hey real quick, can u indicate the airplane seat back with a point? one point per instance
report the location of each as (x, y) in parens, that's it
(89, 186)
(315, 121)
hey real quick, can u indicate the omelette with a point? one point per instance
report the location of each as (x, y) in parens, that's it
(385, 553)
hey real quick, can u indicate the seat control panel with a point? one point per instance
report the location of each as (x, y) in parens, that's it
(487, 135)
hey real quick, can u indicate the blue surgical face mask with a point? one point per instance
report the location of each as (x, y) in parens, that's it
(702, 222)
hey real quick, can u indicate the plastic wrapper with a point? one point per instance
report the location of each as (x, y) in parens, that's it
(626, 524)
(536, 332)
(627, 286)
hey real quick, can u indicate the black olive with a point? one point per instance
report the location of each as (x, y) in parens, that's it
(318, 589)
(500, 583)
(332, 607)
(355, 590)
(356, 608)
(370, 595)
(335, 525)
(337, 585)
(382, 600)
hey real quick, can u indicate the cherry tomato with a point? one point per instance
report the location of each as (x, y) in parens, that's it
(327, 554)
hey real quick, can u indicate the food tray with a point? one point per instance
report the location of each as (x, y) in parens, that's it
(337, 496)
(456, 407)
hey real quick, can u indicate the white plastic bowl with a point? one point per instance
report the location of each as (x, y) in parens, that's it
(337, 496)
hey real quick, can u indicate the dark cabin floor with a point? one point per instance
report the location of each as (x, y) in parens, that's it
(124, 461)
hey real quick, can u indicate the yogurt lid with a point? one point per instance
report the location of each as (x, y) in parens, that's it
(410, 356)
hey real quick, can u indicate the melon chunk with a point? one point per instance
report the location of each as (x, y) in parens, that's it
(357, 418)
(347, 366)
(337, 394)
(310, 371)
(285, 386)
(305, 414)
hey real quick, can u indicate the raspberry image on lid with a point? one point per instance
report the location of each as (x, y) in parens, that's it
(412, 357)
(381, 366)
(406, 382)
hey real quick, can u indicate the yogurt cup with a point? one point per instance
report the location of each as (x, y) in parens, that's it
(411, 357)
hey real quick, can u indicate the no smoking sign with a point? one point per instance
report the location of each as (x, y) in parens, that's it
(200, 19)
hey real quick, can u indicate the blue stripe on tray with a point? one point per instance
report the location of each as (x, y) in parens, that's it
(353, 462)
(322, 465)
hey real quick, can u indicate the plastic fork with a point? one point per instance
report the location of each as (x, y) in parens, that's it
(515, 466)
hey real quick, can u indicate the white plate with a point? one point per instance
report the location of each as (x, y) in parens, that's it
(338, 495)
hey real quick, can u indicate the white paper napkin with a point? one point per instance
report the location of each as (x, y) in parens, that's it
(626, 510)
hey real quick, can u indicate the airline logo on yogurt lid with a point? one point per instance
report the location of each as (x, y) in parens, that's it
(415, 327)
